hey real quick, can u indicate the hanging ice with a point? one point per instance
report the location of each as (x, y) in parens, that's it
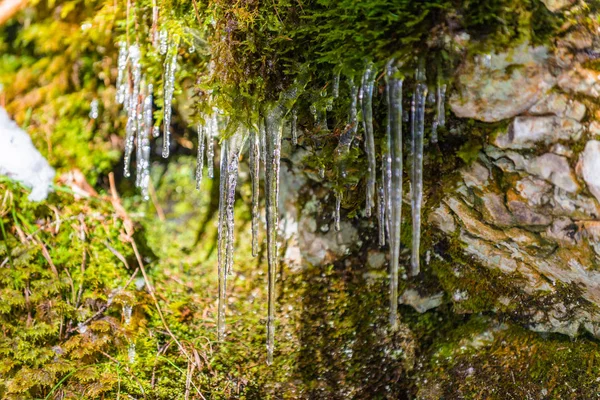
(417, 129)
(121, 73)
(393, 175)
(94, 109)
(294, 126)
(336, 85)
(211, 132)
(273, 126)
(163, 42)
(336, 215)
(200, 157)
(169, 88)
(347, 137)
(255, 174)
(366, 100)
(143, 143)
(127, 310)
(381, 213)
(230, 153)
(440, 112)
(273, 133)
(222, 245)
(133, 103)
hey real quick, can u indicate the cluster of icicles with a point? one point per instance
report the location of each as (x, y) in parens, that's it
(264, 138)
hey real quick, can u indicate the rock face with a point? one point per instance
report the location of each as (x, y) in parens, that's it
(497, 86)
(20, 160)
(528, 210)
(590, 167)
(556, 5)
(527, 132)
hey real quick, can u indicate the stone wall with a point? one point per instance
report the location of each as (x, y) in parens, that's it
(528, 207)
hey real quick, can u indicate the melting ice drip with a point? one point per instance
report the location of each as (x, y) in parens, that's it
(230, 154)
(169, 88)
(440, 113)
(417, 129)
(366, 100)
(392, 174)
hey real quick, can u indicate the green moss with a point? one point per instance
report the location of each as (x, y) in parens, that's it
(485, 359)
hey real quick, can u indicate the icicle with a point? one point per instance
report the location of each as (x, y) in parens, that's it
(234, 148)
(262, 138)
(230, 152)
(294, 127)
(169, 88)
(222, 231)
(200, 156)
(148, 110)
(121, 73)
(381, 213)
(430, 97)
(336, 85)
(343, 148)
(273, 132)
(336, 215)
(133, 103)
(393, 178)
(155, 131)
(255, 174)
(94, 109)
(163, 42)
(417, 128)
(127, 310)
(143, 143)
(440, 115)
(441, 103)
(131, 353)
(213, 131)
(366, 99)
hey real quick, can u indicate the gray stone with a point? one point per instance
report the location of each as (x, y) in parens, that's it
(494, 210)
(527, 132)
(590, 167)
(472, 222)
(421, 303)
(535, 191)
(490, 91)
(594, 128)
(524, 215)
(555, 169)
(443, 219)
(376, 259)
(475, 175)
(581, 80)
(562, 231)
(560, 105)
(556, 5)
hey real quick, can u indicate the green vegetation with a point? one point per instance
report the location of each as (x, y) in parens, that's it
(68, 268)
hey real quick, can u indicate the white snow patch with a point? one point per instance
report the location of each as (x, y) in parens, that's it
(20, 160)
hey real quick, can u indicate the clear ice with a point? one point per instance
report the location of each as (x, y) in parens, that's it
(417, 130)
(393, 175)
(255, 175)
(366, 100)
(169, 88)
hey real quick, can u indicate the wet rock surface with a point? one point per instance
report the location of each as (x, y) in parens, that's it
(497, 86)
